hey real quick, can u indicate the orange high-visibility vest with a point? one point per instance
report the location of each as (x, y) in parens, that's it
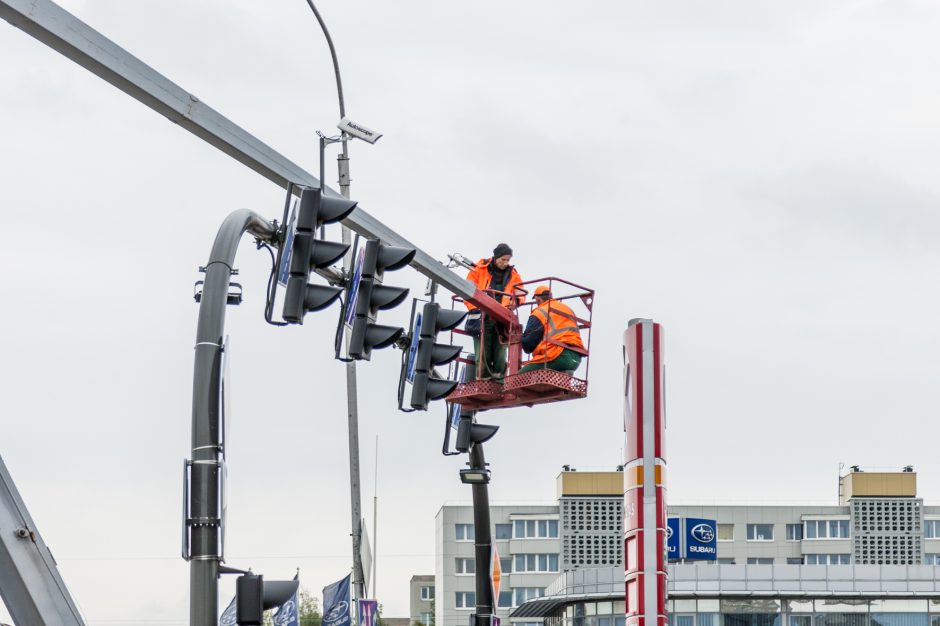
(558, 324)
(481, 277)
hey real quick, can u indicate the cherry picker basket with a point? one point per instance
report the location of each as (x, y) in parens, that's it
(477, 392)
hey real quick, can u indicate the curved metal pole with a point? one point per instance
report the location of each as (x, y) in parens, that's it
(344, 157)
(205, 520)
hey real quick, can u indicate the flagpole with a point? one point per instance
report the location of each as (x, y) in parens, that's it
(375, 522)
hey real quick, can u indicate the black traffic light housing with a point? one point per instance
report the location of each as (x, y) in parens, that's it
(425, 387)
(254, 596)
(372, 296)
(309, 253)
(470, 433)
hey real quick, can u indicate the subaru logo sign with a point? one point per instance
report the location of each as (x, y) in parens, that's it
(700, 539)
(703, 532)
(341, 609)
(672, 538)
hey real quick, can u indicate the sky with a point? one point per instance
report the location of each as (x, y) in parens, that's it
(758, 177)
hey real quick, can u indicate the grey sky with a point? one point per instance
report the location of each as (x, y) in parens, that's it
(758, 177)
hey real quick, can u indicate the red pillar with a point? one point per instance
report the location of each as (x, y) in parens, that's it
(644, 497)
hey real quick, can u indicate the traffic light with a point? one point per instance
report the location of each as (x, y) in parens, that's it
(309, 253)
(371, 296)
(469, 433)
(425, 388)
(254, 596)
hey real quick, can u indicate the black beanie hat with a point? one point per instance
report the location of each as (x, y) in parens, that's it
(502, 250)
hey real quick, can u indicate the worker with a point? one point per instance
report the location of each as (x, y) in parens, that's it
(497, 275)
(554, 320)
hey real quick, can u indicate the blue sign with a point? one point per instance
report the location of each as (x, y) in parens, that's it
(673, 533)
(367, 612)
(284, 270)
(701, 539)
(336, 604)
(354, 289)
(413, 350)
(454, 410)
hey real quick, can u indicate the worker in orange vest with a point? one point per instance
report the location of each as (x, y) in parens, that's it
(496, 274)
(555, 321)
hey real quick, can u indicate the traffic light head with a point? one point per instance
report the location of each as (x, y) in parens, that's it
(470, 433)
(370, 296)
(309, 253)
(254, 596)
(425, 387)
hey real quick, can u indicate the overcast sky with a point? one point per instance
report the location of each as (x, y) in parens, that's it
(758, 177)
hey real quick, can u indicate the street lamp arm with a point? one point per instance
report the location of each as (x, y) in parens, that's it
(329, 41)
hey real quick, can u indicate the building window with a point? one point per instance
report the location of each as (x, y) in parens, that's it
(503, 531)
(826, 529)
(725, 532)
(505, 564)
(427, 593)
(725, 561)
(801, 620)
(505, 600)
(427, 618)
(760, 560)
(535, 529)
(521, 594)
(465, 566)
(760, 532)
(932, 528)
(795, 560)
(466, 599)
(465, 532)
(826, 559)
(685, 620)
(536, 563)
(794, 532)
(932, 559)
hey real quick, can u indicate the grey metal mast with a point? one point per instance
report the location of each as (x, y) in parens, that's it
(352, 396)
(30, 584)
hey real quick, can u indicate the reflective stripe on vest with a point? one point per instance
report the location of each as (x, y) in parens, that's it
(559, 326)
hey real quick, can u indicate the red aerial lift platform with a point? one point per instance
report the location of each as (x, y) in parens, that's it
(539, 386)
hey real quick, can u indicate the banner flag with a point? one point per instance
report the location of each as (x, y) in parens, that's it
(336, 603)
(228, 615)
(288, 614)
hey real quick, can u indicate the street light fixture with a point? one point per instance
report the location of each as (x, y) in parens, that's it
(475, 476)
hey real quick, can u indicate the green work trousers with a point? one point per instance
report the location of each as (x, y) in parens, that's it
(494, 352)
(567, 361)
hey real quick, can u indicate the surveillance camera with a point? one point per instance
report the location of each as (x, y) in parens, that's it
(358, 131)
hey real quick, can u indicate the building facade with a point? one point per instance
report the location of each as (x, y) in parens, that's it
(535, 542)
(422, 600)
(879, 522)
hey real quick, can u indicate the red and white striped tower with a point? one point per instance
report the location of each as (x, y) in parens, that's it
(644, 497)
